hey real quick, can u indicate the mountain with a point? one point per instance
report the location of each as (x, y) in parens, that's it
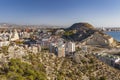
(87, 34)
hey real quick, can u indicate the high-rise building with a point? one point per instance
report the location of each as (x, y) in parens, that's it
(57, 49)
(61, 50)
(70, 47)
(52, 47)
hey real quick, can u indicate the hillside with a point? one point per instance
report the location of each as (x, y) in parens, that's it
(87, 34)
(79, 31)
(45, 66)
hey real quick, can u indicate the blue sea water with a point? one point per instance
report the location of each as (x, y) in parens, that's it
(114, 34)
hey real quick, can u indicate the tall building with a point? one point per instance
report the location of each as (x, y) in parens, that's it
(61, 50)
(57, 49)
(70, 47)
(52, 47)
(39, 48)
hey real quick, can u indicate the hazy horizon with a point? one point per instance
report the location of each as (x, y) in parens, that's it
(99, 13)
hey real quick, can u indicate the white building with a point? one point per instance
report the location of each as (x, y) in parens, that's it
(15, 36)
(35, 49)
(4, 43)
(58, 49)
(61, 50)
(26, 35)
(70, 47)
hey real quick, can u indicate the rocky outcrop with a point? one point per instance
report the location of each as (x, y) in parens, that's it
(100, 39)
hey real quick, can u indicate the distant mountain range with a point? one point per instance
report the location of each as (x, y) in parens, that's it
(38, 26)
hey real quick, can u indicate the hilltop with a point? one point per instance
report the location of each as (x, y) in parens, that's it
(78, 26)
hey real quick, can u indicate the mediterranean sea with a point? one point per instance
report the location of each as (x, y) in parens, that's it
(114, 34)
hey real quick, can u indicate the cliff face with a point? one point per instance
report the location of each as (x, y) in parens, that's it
(86, 33)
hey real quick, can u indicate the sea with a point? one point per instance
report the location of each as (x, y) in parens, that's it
(114, 34)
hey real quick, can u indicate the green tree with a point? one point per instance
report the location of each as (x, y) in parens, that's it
(102, 78)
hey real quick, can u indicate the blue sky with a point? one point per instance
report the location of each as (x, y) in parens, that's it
(61, 12)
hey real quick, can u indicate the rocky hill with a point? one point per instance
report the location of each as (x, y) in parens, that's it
(77, 67)
(80, 31)
(46, 66)
(87, 34)
(79, 26)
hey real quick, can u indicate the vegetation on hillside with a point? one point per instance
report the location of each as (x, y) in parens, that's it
(44, 66)
(17, 70)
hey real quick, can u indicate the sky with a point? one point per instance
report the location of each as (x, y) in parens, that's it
(100, 13)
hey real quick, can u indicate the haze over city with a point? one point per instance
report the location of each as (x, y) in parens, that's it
(61, 12)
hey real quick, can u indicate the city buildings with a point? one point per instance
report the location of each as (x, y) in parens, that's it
(109, 59)
(62, 49)
(70, 47)
(34, 42)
